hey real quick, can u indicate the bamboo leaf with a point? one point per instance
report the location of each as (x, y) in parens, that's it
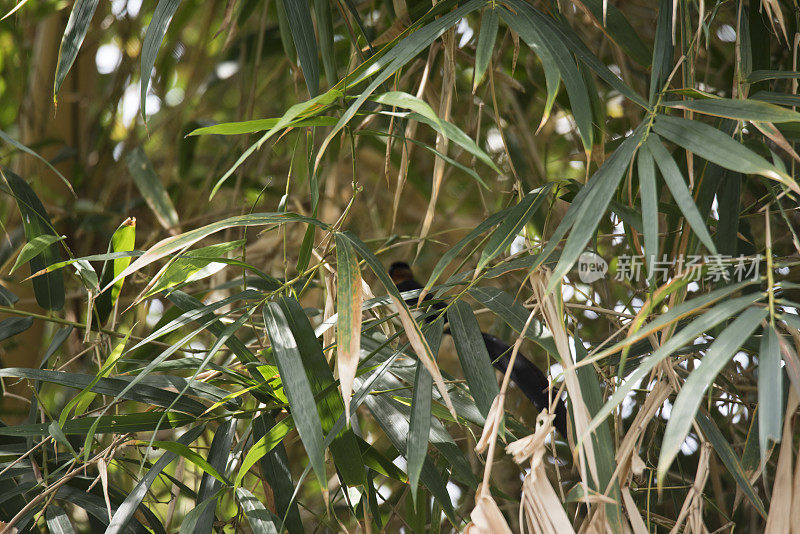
(703, 323)
(124, 514)
(770, 391)
(14, 325)
(393, 60)
(298, 111)
(301, 26)
(729, 459)
(49, 288)
(80, 18)
(649, 194)
(19, 146)
(152, 42)
(322, 10)
(411, 327)
(711, 144)
(182, 241)
(486, 38)
(539, 34)
(685, 407)
(261, 520)
(453, 252)
(680, 192)
(420, 420)
(592, 206)
(297, 387)
(512, 225)
(475, 360)
(182, 450)
(151, 188)
(739, 109)
(122, 241)
(217, 459)
(57, 520)
(348, 323)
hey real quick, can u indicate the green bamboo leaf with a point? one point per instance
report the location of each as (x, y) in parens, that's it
(486, 38)
(83, 399)
(297, 111)
(182, 450)
(680, 192)
(151, 188)
(297, 387)
(19, 146)
(772, 97)
(322, 10)
(649, 194)
(617, 27)
(301, 26)
(532, 38)
(762, 75)
(7, 298)
(453, 252)
(14, 325)
(124, 514)
(58, 435)
(194, 521)
(274, 467)
(323, 387)
(404, 51)
(603, 443)
(457, 136)
(179, 242)
(57, 520)
(192, 266)
(259, 125)
(703, 323)
(420, 421)
(514, 315)
(512, 225)
(264, 445)
(78, 24)
(394, 424)
(770, 391)
(663, 50)
(589, 209)
(49, 288)
(122, 240)
(685, 407)
(261, 520)
(152, 42)
(472, 353)
(399, 99)
(711, 144)
(154, 390)
(106, 424)
(538, 33)
(739, 109)
(566, 36)
(730, 461)
(285, 32)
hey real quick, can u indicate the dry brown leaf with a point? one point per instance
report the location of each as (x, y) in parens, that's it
(780, 512)
(420, 346)
(486, 516)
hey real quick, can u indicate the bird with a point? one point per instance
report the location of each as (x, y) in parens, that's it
(525, 374)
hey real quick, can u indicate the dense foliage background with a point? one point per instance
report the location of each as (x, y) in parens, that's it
(200, 199)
